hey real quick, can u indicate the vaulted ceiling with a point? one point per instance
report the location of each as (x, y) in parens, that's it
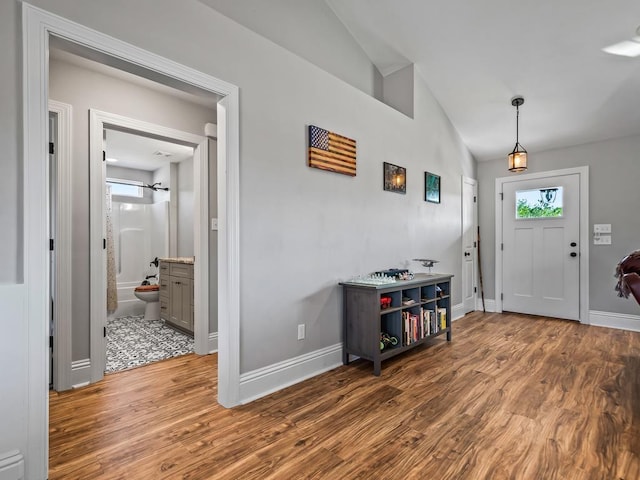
(476, 55)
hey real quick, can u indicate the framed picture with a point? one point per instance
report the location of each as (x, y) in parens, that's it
(395, 178)
(431, 187)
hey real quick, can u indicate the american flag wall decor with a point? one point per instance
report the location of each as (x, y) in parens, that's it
(330, 151)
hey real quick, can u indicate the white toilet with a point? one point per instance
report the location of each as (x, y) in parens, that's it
(151, 295)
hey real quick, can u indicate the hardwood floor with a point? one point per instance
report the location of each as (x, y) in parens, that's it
(512, 397)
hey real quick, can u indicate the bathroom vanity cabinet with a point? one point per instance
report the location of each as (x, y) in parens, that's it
(176, 293)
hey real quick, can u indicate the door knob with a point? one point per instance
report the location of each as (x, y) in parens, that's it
(573, 254)
(573, 244)
(466, 254)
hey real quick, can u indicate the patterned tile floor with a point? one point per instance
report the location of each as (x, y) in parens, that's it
(133, 341)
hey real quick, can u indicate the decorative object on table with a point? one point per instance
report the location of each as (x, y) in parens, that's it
(431, 187)
(373, 279)
(330, 151)
(397, 273)
(426, 262)
(395, 178)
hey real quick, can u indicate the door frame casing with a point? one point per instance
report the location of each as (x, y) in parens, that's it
(98, 121)
(37, 26)
(474, 183)
(62, 247)
(583, 174)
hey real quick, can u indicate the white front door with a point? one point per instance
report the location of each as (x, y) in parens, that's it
(469, 229)
(541, 246)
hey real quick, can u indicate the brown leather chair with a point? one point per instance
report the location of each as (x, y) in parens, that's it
(628, 275)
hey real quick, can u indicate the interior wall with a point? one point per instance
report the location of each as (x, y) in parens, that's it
(613, 194)
(85, 89)
(307, 227)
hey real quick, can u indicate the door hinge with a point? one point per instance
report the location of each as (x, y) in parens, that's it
(104, 156)
(474, 244)
(51, 342)
(51, 244)
(104, 332)
(474, 199)
(52, 148)
(501, 196)
(502, 246)
(502, 296)
(104, 243)
(475, 289)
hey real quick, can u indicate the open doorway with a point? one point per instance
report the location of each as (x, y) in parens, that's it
(40, 28)
(149, 214)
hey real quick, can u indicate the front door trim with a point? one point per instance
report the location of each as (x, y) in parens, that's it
(583, 173)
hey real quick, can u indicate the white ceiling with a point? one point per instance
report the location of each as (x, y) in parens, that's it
(476, 55)
(143, 153)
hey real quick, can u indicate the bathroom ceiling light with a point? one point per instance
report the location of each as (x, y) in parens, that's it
(112, 160)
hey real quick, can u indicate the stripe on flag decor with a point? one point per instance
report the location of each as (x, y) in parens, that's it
(330, 151)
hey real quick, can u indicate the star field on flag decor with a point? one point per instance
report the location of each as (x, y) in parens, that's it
(330, 151)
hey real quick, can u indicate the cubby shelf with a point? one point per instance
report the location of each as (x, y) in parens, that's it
(412, 323)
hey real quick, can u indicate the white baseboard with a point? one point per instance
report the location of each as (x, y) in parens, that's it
(263, 381)
(80, 373)
(489, 304)
(213, 342)
(614, 320)
(457, 311)
(11, 465)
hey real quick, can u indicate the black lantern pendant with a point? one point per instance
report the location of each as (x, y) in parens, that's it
(518, 157)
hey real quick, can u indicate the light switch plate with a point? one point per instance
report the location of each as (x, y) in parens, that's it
(214, 224)
(601, 228)
(602, 240)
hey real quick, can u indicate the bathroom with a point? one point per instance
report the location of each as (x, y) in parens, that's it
(150, 194)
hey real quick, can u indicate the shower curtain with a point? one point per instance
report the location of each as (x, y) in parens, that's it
(112, 289)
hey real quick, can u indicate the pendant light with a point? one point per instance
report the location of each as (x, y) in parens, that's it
(518, 157)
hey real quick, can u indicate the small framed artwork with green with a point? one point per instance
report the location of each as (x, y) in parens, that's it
(431, 187)
(395, 178)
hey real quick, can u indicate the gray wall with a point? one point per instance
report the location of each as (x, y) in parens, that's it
(308, 28)
(86, 89)
(614, 195)
(301, 230)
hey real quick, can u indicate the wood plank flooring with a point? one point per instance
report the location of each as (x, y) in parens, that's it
(512, 397)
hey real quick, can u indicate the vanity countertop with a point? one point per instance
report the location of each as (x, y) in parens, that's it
(187, 260)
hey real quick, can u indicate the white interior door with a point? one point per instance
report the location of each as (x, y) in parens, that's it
(541, 246)
(469, 229)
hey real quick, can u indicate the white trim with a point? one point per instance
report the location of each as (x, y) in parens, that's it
(201, 247)
(489, 304)
(614, 320)
(474, 183)
(212, 346)
(457, 311)
(266, 380)
(37, 25)
(100, 120)
(62, 247)
(583, 173)
(11, 465)
(80, 373)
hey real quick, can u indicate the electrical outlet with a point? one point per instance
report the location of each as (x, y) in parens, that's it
(301, 331)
